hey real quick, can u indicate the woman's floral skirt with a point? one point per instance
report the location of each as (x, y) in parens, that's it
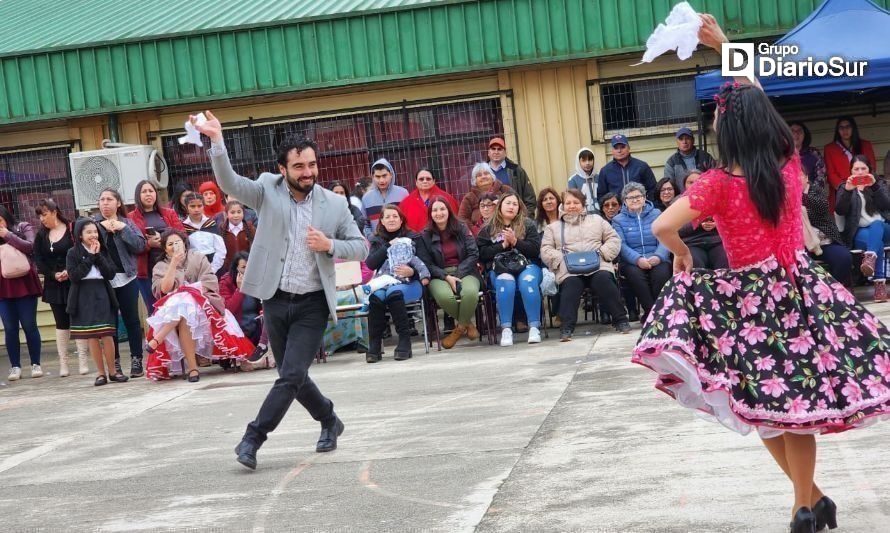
(765, 348)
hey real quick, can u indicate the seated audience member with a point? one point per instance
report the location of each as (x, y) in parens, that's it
(417, 203)
(190, 317)
(865, 210)
(810, 159)
(703, 240)
(686, 158)
(449, 251)
(203, 233)
(399, 279)
(236, 232)
(831, 247)
(482, 180)
(510, 230)
(340, 187)
(665, 192)
(578, 231)
(645, 262)
(549, 206)
(246, 309)
(487, 204)
(610, 205)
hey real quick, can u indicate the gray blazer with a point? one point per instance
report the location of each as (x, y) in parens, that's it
(271, 198)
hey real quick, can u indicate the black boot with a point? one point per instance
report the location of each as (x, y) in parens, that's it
(376, 325)
(399, 314)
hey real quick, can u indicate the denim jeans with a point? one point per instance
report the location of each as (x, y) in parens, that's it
(529, 286)
(20, 311)
(873, 238)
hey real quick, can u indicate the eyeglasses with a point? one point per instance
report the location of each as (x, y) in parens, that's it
(425, 179)
(609, 205)
(634, 197)
(486, 204)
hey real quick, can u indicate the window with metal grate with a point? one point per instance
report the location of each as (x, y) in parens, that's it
(31, 173)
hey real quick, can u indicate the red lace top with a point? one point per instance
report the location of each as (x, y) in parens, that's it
(747, 238)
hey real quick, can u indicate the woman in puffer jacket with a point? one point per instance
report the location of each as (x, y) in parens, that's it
(645, 262)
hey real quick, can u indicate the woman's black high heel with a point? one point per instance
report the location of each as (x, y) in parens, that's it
(804, 521)
(826, 513)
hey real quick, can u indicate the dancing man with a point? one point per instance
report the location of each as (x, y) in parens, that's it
(773, 344)
(292, 271)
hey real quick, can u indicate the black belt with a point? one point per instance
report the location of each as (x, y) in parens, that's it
(294, 297)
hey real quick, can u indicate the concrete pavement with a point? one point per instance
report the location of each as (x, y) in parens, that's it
(550, 437)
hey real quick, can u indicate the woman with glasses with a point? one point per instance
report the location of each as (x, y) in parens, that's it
(416, 204)
(664, 193)
(839, 154)
(487, 206)
(483, 181)
(645, 262)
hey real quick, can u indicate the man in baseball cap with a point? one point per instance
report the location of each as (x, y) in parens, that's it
(687, 157)
(623, 169)
(511, 174)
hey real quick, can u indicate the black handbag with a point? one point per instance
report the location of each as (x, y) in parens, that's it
(510, 262)
(579, 263)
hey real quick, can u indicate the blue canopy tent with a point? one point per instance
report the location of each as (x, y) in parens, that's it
(851, 29)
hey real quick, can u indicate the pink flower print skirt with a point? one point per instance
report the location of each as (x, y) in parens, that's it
(769, 348)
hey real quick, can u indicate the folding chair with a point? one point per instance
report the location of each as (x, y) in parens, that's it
(484, 320)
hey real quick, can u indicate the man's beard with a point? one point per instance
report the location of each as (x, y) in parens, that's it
(295, 185)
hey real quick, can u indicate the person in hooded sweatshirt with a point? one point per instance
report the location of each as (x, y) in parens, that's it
(382, 192)
(623, 169)
(584, 179)
(645, 262)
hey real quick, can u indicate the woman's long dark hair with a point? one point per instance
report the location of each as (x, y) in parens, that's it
(453, 226)
(540, 214)
(10, 219)
(46, 205)
(855, 141)
(233, 267)
(386, 235)
(807, 136)
(752, 135)
(121, 208)
(178, 190)
(137, 198)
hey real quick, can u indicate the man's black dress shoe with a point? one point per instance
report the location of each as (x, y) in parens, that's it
(327, 441)
(246, 454)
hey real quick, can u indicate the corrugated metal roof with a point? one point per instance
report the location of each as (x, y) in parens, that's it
(29, 25)
(410, 39)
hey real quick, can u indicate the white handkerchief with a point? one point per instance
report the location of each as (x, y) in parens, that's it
(191, 134)
(679, 32)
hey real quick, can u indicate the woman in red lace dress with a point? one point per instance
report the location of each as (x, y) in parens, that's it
(773, 344)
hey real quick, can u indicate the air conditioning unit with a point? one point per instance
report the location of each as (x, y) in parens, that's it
(120, 168)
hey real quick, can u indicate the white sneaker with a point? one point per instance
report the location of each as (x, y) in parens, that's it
(534, 335)
(507, 337)
(36, 371)
(15, 373)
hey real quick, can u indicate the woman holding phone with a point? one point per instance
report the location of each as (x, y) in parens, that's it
(152, 220)
(864, 205)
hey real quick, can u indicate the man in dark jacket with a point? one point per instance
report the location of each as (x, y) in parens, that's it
(623, 169)
(687, 157)
(510, 173)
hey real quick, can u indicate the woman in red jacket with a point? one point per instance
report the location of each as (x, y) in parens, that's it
(415, 205)
(152, 220)
(839, 153)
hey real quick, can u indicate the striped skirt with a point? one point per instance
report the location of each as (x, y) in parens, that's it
(94, 317)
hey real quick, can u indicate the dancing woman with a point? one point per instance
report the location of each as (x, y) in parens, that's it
(774, 344)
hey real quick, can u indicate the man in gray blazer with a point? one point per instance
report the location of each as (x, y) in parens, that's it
(304, 228)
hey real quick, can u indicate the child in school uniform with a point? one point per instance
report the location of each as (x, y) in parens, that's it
(203, 233)
(236, 231)
(92, 303)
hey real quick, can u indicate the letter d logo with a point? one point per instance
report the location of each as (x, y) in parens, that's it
(738, 60)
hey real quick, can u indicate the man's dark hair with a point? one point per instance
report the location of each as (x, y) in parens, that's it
(293, 142)
(380, 166)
